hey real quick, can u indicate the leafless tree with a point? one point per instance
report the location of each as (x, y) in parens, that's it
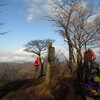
(2, 4)
(73, 20)
(37, 46)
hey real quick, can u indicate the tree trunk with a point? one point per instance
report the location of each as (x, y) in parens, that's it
(48, 72)
(41, 67)
(72, 62)
(79, 58)
(79, 63)
(41, 71)
(85, 47)
(70, 57)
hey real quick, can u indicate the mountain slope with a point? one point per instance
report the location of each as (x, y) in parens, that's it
(36, 89)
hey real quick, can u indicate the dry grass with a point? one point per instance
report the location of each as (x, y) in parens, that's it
(44, 92)
(1, 84)
(60, 88)
(68, 76)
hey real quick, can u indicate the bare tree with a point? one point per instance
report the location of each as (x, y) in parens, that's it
(73, 20)
(37, 46)
(2, 4)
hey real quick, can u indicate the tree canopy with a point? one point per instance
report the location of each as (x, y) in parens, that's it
(37, 46)
(77, 22)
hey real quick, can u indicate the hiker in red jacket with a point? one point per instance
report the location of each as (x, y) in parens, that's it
(89, 57)
(37, 64)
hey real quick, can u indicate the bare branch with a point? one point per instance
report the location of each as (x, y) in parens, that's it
(37, 46)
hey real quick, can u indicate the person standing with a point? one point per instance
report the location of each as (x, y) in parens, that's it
(89, 57)
(37, 65)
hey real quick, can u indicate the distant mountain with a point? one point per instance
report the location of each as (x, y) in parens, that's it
(17, 62)
(14, 71)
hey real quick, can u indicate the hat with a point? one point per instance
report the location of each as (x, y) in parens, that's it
(38, 56)
(89, 49)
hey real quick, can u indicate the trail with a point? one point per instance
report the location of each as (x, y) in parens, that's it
(17, 85)
(61, 89)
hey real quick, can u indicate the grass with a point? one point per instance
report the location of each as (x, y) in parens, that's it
(60, 88)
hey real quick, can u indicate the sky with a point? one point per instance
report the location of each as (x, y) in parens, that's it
(23, 20)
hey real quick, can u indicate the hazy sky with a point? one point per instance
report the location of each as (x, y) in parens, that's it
(22, 19)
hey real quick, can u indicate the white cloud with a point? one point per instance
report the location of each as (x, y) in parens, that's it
(16, 56)
(37, 8)
(22, 56)
(62, 50)
(33, 12)
(22, 52)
